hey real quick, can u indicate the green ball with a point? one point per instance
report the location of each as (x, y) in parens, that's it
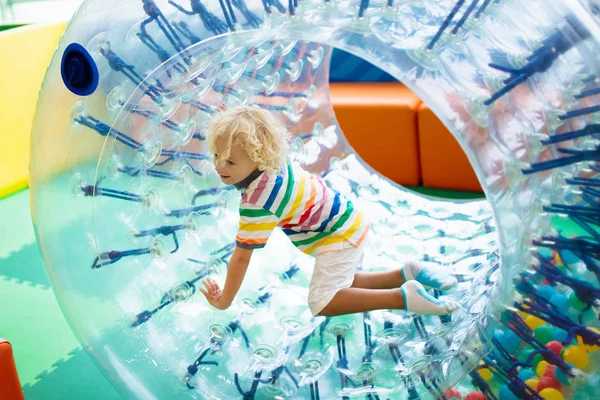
(536, 359)
(543, 333)
(588, 317)
(576, 303)
(573, 315)
(563, 269)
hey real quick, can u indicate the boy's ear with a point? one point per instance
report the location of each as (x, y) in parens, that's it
(222, 107)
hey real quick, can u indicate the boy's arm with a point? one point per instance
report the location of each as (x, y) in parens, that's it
(238, 264)
(256, 225)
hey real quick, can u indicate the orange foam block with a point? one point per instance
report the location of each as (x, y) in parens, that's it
(444, 164)
(380, 123)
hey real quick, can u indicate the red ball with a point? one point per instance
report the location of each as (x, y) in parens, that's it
(548, 382)
(555, 346)
(475, 396)
(550, 370)
(453, 394)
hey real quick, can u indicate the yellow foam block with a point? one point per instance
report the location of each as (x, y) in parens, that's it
(26, 54)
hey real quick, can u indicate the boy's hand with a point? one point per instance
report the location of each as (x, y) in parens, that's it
(214, 294)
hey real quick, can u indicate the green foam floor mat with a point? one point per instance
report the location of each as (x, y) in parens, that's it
(50, 361)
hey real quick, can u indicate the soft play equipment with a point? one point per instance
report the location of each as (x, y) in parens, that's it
(443, 163)
(10, 386)
(21, 76)
(364, 110)
(130, 215)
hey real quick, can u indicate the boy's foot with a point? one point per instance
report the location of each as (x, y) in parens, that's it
(428, 276)
(416, 299)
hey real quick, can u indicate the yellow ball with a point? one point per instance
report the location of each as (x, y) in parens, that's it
(577, 356)
(591, 348)
(523, 314)
(532, 383)
(557, 259)
(551, 394)
(485, 373)
(541, 368)
(533, 322)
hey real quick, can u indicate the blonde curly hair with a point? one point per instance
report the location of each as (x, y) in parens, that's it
(256, 130)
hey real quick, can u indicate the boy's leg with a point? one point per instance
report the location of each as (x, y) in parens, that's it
(410, 297)
(378, 280)
(354, 300)
(427, 274)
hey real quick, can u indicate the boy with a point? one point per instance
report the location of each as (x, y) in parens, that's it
(250, 148)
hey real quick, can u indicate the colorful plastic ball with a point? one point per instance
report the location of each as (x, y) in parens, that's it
(543, 333)
(557, 260)
(533, 383)
(453, 393)
(485, 373)
(551, 394)
(590, 348)
(560, 335)
(588, 317)
(541, 368)
(548, 382)
(525, 374)
(555, 346)
(577, 356)
(573, 315)
(475, 396)
(533, 322)
(546, 292)
(562, 377)
(498, 334)
(575, 302)
(512, 341)
(506, 394)
(536, 358)
(561, 302)
(568, 258)
(550, 369)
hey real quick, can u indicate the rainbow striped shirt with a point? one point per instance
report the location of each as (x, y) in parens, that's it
(313, 216)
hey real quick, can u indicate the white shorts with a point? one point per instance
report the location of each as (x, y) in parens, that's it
(334, 270)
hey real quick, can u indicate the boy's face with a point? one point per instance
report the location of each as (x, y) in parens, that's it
(235, 168)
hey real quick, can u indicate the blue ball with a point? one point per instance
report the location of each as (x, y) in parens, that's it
(546, 291)
(511, 341)
(562, 377)
(559, 334)
(561, 302)
(526, 374)
(506, 394)
(499, 335)
(568, 257)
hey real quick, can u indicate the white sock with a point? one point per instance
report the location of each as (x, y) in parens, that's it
(416, 299)
(430, 276)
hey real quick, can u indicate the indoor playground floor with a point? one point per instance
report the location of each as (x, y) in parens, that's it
(51, 362)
